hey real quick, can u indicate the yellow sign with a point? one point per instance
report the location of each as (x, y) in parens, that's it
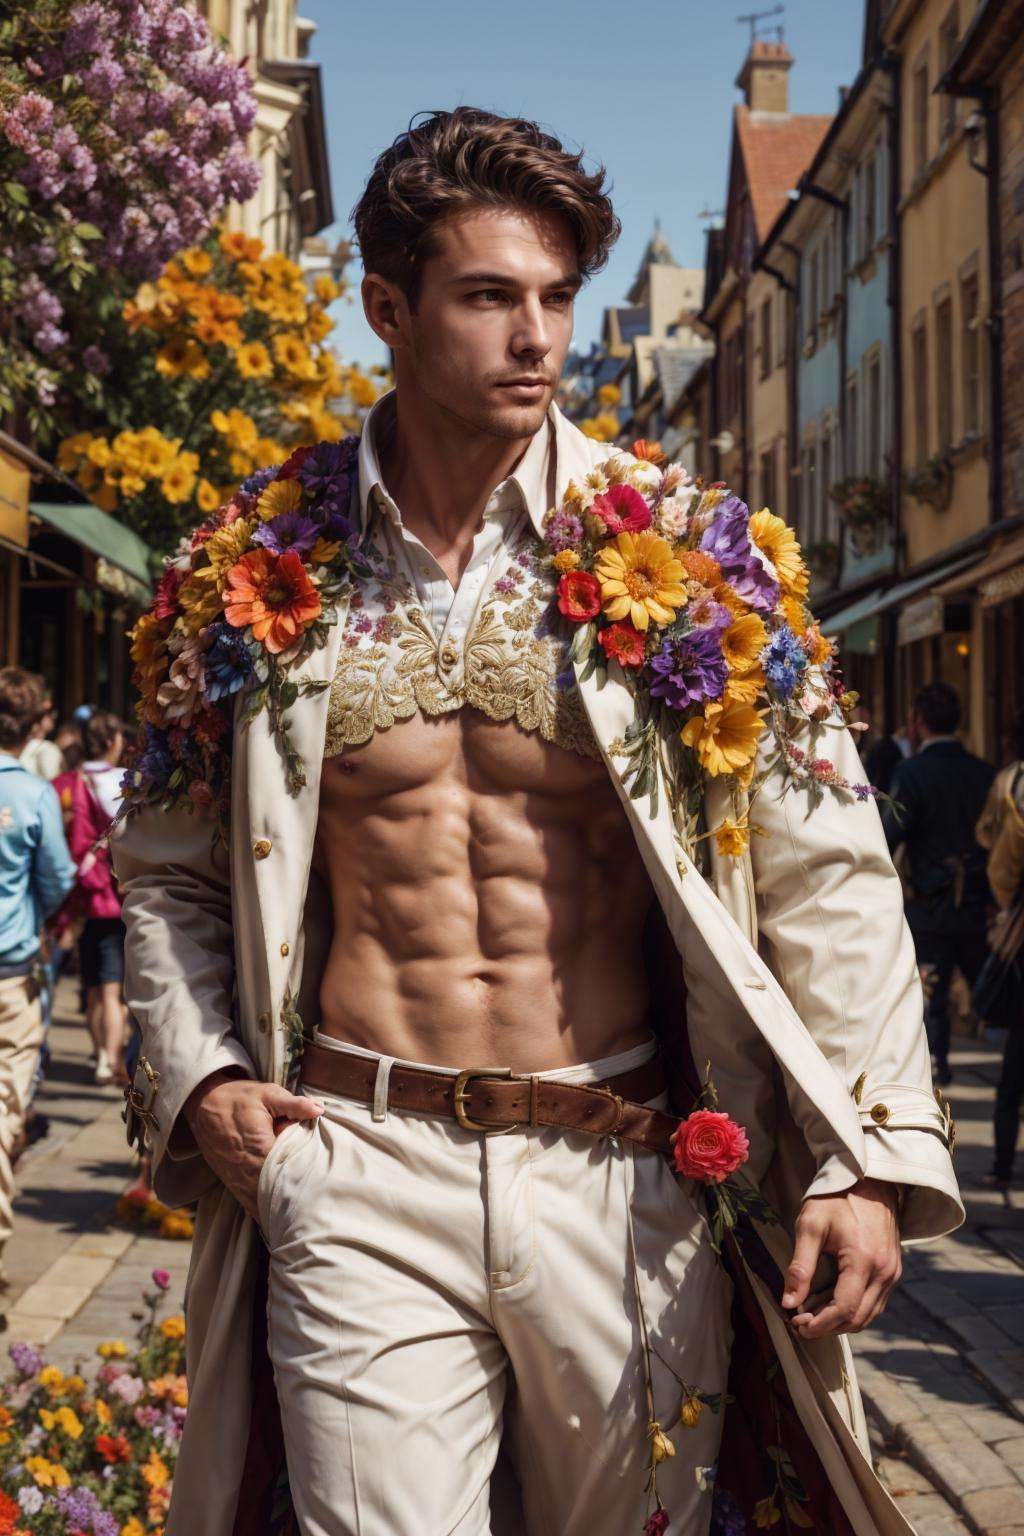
(14, 497)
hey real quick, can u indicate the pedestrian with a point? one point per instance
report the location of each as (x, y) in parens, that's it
(95, 790)
(41, 755)
(36, 873)
(885, 756)
(1002, 832)
(937, 796)
(68, 737)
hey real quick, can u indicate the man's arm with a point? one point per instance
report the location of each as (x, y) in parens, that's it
(53, 869)
(830, 909)
(1006, 860)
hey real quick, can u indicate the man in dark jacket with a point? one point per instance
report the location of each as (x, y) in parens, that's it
(937, 798)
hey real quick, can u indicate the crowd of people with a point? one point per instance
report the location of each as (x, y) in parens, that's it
(955, 828)
(60, 908)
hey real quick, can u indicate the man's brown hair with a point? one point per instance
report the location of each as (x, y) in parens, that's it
(23, 697)
(465, 159)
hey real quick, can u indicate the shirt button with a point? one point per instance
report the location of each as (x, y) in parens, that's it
(284, 947)
(449, 655)
(261, 847)
(263, 1023)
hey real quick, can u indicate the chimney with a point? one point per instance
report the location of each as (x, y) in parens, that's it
(764, 78)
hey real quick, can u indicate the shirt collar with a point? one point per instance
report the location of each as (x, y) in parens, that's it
(531, 478)
(937, 741)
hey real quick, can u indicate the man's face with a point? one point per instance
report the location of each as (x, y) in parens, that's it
(493, 320)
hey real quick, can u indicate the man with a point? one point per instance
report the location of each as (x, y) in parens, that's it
(436, 865)
(36, 873)
(937, 797)
(1001, 831)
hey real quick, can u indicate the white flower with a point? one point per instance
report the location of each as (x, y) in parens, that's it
(31, 1499)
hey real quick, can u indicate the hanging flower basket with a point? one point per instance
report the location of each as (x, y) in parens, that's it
(864, 507)
(822, 560)
(933, 482)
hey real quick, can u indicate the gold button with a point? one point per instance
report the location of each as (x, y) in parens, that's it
(261, 847)
(263, 1023)
(449, 655)
(879, 1113)
(285, 947)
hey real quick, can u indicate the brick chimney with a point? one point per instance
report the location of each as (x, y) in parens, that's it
(764, 78)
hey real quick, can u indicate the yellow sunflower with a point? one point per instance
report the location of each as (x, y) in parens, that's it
(178, 483)
(197, 263)
(743, 642)
(640, 579)
(279, 496)
(724, 737)
(795, 615)
(777, 540)
(253, 361)
(745, 687)
(207, 498)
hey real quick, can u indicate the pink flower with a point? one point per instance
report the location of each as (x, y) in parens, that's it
(622, 510)
(579, 596)
(708, 1146)
(161, 1278)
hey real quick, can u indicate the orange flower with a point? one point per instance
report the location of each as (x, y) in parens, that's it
(652, 453)
(273, 594)
(113, 1448)
(701, 567)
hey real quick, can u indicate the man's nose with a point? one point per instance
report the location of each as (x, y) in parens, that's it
(531, 336)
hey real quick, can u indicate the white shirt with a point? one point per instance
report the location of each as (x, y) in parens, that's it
(105, 783)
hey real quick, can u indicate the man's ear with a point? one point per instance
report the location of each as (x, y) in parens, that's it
(385, 307)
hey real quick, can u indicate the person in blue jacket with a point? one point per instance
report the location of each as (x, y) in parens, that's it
(36, 874)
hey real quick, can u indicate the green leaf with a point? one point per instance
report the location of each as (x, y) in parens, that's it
(16, 192)
(87, 231)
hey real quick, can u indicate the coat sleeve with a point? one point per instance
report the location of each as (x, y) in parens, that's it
(830, 914)
(179, 971)
(53, 871)
(1006, 860)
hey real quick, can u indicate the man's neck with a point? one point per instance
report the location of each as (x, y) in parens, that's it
(935, 741)
(441, 471)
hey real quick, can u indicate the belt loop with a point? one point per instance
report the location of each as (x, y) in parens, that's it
(534, 1092)
(380, 1087)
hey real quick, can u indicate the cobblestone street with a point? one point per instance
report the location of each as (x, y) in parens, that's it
(942, 1373)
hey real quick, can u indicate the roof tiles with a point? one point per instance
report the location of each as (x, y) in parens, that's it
(777, 148)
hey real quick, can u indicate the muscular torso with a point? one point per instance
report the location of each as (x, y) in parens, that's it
(488, 898)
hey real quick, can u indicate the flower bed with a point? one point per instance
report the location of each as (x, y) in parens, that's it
(95, 1458)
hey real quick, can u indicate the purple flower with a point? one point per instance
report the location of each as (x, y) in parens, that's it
(785, 661)
(327, 474)
(689, 669)
(26, 1359)
(726, 1516)
(258, 481)
(289, 530)
(96, 360)
(728, 541)
(564, 531)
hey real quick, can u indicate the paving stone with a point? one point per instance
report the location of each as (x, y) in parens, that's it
(980, 1330)
(1010, 1319)
(988, 1507)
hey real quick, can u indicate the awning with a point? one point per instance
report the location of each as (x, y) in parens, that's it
(864, 608)
(999, 576)
(882, 599)
(124, 560)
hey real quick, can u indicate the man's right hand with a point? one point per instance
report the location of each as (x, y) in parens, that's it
(235, 1122)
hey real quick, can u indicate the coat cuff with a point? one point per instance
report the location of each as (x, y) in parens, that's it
(180, 1172)
(915, 1158)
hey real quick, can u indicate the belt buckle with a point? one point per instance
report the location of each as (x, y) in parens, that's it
(461, 1093)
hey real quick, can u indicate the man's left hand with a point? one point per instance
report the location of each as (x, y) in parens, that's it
(858, 1228)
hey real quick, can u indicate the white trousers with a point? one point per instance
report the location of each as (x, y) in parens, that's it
(431, 1287)
(21, 1035)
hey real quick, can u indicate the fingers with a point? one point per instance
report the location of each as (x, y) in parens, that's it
(860, 1296)
(810, 1234)
(290, 1106)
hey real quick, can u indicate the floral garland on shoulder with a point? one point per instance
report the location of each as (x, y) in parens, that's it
(703, 604)
(254, 589)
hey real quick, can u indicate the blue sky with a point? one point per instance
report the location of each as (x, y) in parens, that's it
(645, 88)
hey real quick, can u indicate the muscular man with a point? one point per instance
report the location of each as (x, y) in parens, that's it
(439, 878)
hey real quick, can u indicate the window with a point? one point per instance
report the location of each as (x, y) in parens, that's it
(825, 480)
(873, 423)
(948, 35)
(852, 427)
(768, 479)
(870, 206)
(919, 366)
(766, 338)
(920, 118)
(782, 313)
(944, 369)
(971, 353)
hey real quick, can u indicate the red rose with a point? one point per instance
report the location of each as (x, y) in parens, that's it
(622, 510)
(709, 1146)
(624, 644)
(579, 596)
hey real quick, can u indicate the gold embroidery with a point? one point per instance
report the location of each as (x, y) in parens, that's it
(509, 670)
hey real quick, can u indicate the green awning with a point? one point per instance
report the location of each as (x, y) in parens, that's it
(864, 608)
(85, 524)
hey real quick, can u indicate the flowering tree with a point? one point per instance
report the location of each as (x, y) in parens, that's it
(217, 369)
(122, 130)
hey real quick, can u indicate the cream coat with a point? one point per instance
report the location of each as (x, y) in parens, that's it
(801, 978)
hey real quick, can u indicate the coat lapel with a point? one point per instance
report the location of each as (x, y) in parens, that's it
(722, 955)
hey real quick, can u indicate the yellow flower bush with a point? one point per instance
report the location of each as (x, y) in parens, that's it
(225, 364)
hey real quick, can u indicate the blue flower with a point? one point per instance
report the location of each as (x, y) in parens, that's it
(784, 661)
(253, 484)
(229, 662)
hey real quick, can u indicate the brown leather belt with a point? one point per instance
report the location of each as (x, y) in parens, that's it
(497, 1099)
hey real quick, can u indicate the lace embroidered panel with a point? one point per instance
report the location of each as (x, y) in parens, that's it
(510, 666)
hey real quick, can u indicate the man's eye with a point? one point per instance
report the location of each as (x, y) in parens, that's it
(488, 293)
(561, 298)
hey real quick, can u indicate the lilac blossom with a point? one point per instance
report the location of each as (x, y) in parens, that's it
(25, 1358)
(564, 531)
